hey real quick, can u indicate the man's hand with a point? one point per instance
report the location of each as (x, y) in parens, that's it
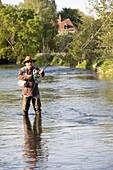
(42, 73)
(28, 77)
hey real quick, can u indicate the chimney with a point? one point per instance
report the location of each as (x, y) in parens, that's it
(59, 19)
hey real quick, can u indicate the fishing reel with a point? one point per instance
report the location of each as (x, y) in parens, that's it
(36, 76)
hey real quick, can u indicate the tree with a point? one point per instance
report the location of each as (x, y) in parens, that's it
(7, 30)
(20, 32)
(1, 5)
(100, 7)
(29, 33)
(103, 9)
(94, 43)
(62, 41)
(46, 10)
(84, 44)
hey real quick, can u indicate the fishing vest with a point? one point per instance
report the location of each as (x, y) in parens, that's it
(35, 75)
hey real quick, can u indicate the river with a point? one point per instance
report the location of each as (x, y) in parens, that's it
(76, 128)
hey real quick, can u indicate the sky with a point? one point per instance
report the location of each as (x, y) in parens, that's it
(74, 4)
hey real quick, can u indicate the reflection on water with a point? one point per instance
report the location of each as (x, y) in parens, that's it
(33, 151)
(76, 129)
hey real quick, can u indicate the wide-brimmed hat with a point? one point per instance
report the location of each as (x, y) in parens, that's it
(28, 58)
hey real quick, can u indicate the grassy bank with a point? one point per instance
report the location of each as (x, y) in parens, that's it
(104, 68)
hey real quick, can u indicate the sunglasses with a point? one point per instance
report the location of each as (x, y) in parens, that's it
(29, 61)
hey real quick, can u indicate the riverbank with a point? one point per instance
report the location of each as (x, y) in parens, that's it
(103, 68)
(106, 68)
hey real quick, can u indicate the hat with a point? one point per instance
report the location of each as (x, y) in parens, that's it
(28, 58)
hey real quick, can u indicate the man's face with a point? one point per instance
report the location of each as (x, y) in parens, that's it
(29, 64)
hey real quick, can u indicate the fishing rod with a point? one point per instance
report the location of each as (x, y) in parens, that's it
(46, 66)
(76, 37)
(92, 37)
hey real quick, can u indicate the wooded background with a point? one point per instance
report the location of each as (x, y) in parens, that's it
(31, 28)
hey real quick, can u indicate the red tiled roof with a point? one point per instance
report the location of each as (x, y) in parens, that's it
(65, 25)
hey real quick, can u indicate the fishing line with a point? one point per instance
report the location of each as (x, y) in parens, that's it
(76, 37)
(92, 37)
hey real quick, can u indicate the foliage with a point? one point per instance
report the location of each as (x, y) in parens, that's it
(82, 64)
(46, 10)
(25, 29)
(31, 29)
(84, 43)
(104, 12)
(23, 32)
(43, 58)
(19, 29)
(62, 41)
(94, 43)
(106, 68)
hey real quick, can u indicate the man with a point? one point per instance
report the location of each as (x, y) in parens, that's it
(30, 92)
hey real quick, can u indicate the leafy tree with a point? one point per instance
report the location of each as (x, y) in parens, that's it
(20, 32)
(100, 7)
(29, 33)
(85, 42)
(62, 41)
(7, 30)
(46, 10)
(103, 9)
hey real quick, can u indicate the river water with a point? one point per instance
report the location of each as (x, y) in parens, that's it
(76, 128)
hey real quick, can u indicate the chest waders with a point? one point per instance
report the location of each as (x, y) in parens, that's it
(35, 102)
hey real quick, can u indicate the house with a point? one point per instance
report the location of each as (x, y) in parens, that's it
(65, 25)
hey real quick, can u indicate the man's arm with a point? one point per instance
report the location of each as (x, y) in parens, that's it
(23, 76)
